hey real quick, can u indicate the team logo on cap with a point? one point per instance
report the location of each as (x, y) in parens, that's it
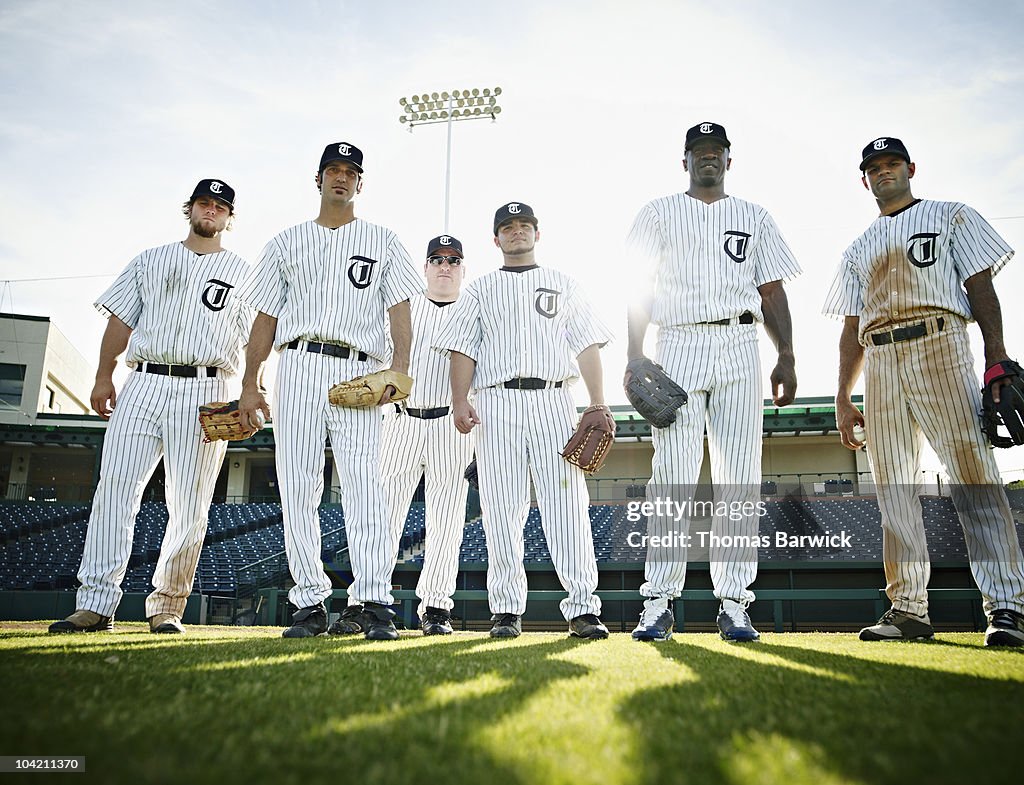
(881, 144)
(360, 271)
(546, 303)
(345, 149)
(216, 187)
(215, 294)
(444, 239)
(736, 244)
(706, 128)
(514, 208)
(922, 249)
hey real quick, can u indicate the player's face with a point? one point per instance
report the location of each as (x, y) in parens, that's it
(516, 237)
(340, 181)
(707, 162)
(888, 177)
(209, 216)
(444, 272)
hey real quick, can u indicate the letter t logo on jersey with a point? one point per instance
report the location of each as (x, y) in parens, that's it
(736, 245)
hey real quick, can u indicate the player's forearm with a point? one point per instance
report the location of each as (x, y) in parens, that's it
(114, 342)
(401, 335)
(778, 322)
(460, 375)
(590, 369)
(985, 308)
(261, 341)
(638, 319)
(851, 358)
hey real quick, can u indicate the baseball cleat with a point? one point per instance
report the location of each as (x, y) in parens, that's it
(351, 622)
(166, 623)
(308, 622)
(587, 626)
(84, 621)
(899, 626)
(1005, 628)
(436, 621)
(657, 621)
(734, 622)
(378, 621)
(506, 625)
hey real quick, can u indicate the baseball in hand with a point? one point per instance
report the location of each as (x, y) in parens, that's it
(259, 420)
(858, 433)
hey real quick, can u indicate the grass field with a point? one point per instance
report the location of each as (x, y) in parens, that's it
(232, 705)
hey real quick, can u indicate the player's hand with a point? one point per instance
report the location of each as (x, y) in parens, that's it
(784, 375)
(389, 390)
(465, 417)
(103, 398)
(629, 374)
(252, 407)
(848, 417)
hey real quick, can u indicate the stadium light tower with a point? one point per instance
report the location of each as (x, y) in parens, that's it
(448, 108)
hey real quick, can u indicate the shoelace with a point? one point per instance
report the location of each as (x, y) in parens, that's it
(507, 620)
(1003, 618)
(650, 616)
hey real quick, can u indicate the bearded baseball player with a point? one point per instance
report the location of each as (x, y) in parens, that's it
(326, 291)
(176, 310)
(519, 337)
(717, 266)
(420, 440)
(906, 290)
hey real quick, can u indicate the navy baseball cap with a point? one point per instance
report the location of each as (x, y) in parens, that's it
(513, 210)
(217, 189)
(706, 131)
(883, 145)
(341, 151)
(446, 243)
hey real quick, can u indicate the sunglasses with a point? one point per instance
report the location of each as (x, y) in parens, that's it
(437, 261)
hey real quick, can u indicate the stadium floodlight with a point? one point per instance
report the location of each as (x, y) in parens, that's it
(445, 107)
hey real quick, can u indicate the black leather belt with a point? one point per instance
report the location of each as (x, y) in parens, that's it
(908, 333)
(423, 414)
(744, 318)
(186, 371)
(332, 349)
(530, 383)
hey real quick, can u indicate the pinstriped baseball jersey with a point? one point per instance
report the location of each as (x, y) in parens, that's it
(429, 369)
(183, 307)
(522, 324)
(912, 264)
(707, 260)
(333, 285)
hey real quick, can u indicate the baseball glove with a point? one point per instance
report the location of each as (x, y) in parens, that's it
(589, 445)
(366, 391)
(1009, 412)
(653, 394)
(220, 420)
(471, 476)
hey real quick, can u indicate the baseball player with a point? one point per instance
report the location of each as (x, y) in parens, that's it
(717, 269)
(906, 289)
(420, 440)
(176, 310)
(326, 291)
(518, 337)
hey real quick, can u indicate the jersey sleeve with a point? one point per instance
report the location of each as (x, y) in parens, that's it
(644, 244)
(264, 288)
(124, 297)
(975, 245)
(846, 294)
(401, 280)
(463, 333)
(584, 328)
(773, 260)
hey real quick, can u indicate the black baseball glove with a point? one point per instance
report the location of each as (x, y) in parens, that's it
(1009, 412)
(653, 394)
(471, 476)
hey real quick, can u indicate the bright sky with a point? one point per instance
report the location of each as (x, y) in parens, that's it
(110, 113)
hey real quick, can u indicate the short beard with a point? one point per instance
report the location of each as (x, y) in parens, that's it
(520, 251)
(202, 231)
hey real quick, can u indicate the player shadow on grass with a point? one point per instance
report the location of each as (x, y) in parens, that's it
(810, 715)
(264, 709)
